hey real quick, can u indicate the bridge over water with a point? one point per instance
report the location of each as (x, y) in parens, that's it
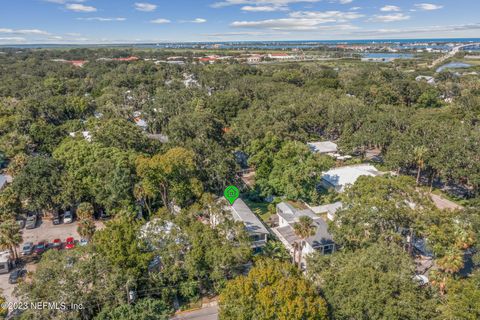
(452, 53)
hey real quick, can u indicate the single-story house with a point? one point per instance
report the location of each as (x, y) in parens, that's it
(256, 230)
(323, 147)
(288, 216)
(340, 178)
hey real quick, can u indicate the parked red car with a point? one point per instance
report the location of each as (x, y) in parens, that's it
(57, 244)
(40, 247)
(70, 243)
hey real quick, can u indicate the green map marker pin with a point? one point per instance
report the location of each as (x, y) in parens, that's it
(231, 193)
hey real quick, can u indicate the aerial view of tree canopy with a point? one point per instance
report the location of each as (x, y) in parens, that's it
(137, 145)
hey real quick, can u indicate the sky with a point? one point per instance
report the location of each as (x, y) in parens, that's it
(129, 21)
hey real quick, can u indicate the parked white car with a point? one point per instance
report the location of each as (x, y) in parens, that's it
(68, 217)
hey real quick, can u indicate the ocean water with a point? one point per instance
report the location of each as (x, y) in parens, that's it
(275, 45)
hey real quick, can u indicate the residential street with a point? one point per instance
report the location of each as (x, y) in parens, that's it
(208, 313)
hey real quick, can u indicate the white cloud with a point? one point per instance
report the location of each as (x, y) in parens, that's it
(102, 19)
(160, 21)
(77, 7)
(345, 1)
(277, 3)
(196, 20)
(390, 8)
(145, 6)
(264, 8)
(245, 33)
(428, 6)
(390, 17)
(12, 39)
(64, 1)
(327, 16)
(302, 20)
(23, 31)
(431, 30)
(355, 8)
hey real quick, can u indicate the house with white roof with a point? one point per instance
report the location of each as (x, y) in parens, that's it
(340, 178)
(288, 216)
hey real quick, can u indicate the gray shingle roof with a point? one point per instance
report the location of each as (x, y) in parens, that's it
(241, 212)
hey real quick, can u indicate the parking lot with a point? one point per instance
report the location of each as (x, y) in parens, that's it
(45, 231)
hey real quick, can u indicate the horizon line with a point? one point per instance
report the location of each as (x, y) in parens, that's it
(225, 41)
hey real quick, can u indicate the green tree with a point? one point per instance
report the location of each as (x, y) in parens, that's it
(10, 205)
(170, 176)
(429, 99)
(86, 228)
(38, 183)
(271, 290)
(96, 174)
(291, 169)
(303, 229)
(10, 237)
(79, 276)
(85, 211)
(372, 283)
(419, 156)
(376, 208)
(462, 300)
(121, 245)
(144, 309)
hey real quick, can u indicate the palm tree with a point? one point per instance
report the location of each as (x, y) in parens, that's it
(275, 250)
(303, 229)
(85, 211)
(10, 237)
(86, 228)
(419, 154)
(448, 265)
(452, 262)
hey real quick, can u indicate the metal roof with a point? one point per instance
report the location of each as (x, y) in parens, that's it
(323, 146)
(339, 178)
(241, 212)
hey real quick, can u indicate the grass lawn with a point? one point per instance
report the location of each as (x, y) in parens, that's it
(261, 207)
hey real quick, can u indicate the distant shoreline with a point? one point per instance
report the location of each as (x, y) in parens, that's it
(233, 44)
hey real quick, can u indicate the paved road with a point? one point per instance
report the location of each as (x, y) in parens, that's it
(444, 204)
(208, 313)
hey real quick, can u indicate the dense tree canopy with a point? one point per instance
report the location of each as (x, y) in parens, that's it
(271, 290)
(71, 139)
(372, 283)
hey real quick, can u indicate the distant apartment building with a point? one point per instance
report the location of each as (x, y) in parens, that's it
(280, 56)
